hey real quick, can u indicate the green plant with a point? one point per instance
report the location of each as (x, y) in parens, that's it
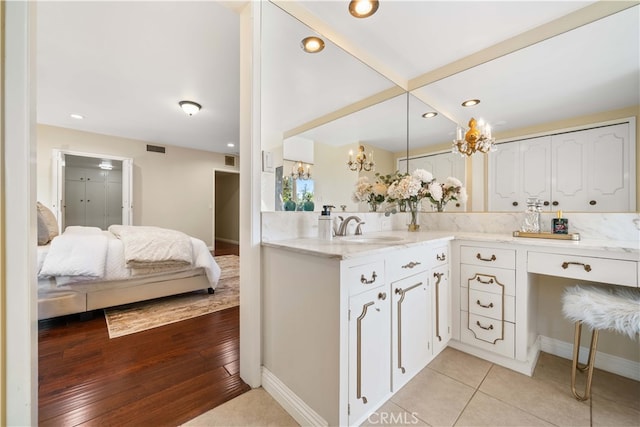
(307, 196)
(286, 190)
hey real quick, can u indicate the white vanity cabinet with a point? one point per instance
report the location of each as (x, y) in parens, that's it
(343, 334)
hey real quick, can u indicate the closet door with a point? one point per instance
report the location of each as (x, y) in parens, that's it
(505, 178)
(95, 204)
(114, 198)
(74, 202)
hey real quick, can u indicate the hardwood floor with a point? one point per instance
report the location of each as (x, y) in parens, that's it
(225, 248)
(163, 376)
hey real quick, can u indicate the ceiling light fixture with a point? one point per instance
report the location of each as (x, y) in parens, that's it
(470, 102)
(106, 165)
(312, 44)
(190, 107)
(77, 116)
(231, 144)
(477, 139)
(361, 162)
(363, 8)
(429, 114)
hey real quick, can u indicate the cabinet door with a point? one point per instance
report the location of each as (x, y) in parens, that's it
(95, 204)
(442, 308)
(608, 166)
(504, 179)
(568, 181)
(535, 166)
(74, 201)
(369, 351)
(411, 327)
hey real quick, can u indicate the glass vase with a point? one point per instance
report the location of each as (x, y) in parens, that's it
(402, 205)
(438, 206)
(413, 211)
(373, 206)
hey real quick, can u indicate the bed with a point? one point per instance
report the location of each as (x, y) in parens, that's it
(86, 268)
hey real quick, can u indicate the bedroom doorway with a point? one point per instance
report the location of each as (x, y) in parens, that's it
(226, 209)
(91, 189)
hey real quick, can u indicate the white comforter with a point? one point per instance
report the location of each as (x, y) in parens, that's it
(84, 254)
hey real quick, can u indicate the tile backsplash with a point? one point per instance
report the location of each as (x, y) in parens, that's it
(599, 226)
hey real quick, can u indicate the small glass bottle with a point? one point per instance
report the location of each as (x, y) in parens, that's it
(531, 223)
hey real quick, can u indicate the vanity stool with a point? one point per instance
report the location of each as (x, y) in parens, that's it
(615, 308)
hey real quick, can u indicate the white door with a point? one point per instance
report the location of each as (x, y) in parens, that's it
(369, 351)
(411, 327)
(535, 166)
(504, 179)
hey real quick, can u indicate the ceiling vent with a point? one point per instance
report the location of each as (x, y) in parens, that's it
(229, 161)
(155, 148)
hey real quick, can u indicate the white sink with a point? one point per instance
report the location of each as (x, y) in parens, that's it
(373, 240)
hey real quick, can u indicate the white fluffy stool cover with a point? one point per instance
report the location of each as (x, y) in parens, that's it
(615, 308)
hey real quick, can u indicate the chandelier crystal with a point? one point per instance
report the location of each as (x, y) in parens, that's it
(361, 162)
(477, 139)
(298, 171)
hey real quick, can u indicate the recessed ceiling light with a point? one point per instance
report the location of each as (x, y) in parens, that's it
(470, 102)
(231, 144)
(312, 44)
(429, 114)
(77, 116)
(190, 107)
(363, 8)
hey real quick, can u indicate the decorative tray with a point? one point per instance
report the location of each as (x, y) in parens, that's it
(547, 235)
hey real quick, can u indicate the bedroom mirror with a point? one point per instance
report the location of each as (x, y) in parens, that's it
(589, 75)
(315, 95)
(545, 92)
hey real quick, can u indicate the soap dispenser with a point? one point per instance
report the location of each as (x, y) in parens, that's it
(325, 223)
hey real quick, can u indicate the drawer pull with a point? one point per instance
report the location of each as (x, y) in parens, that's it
(566, 265)
(484, 306)
(382, 296)
(366, 281)
(411, 264)
(438, 277)
(442, 257)
(486, 282)
(402, 293)
(486, 328)
(493, 257)
(359, 352)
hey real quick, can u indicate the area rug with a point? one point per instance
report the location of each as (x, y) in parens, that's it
(141, 316)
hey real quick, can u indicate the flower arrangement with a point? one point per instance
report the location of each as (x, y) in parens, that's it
(371, 193)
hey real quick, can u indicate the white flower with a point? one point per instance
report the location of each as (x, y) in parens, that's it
(435, 189)
(379, 189)
(452, 182)
(363, 190)
(422, 175)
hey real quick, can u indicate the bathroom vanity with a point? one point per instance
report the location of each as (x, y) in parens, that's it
(348, 322)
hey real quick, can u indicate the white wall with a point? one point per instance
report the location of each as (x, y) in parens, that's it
(172, 190)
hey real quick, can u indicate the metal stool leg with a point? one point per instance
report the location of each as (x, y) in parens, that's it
(576, 366)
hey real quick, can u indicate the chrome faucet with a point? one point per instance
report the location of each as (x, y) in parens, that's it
(342, 228)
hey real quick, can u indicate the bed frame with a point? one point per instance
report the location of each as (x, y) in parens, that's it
(60, 302)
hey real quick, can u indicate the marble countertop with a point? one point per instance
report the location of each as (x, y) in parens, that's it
(343, 248)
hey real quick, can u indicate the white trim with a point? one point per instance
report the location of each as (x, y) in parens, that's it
(606, 362)
(290, 402)
(525, 367)
(19, 169)
(235, 242)
(213, 208)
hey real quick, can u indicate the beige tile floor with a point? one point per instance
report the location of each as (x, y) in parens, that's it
(457, 389)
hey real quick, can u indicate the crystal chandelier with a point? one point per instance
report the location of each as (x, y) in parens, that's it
(361, 162)
(300, 172)
(477, 138)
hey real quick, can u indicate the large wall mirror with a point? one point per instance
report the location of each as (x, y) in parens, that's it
(584, 76)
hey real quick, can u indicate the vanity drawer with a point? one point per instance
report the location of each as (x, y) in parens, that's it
(488, 257)
(364, 277)
(488, 305)
(439, 256)
(488, 334)
(488, 279)
(603, 270)
(409, 261)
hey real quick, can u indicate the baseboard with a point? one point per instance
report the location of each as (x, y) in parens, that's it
(606, 362)
(291, 403)
(525, 367)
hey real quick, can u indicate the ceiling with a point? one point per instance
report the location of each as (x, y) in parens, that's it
(125, 66)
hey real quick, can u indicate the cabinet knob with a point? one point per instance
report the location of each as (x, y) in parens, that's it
(382, 296)
(593, 203)
(457, 205)
(440, 257)
(555, 203)
(546, 203)
(515, 203)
